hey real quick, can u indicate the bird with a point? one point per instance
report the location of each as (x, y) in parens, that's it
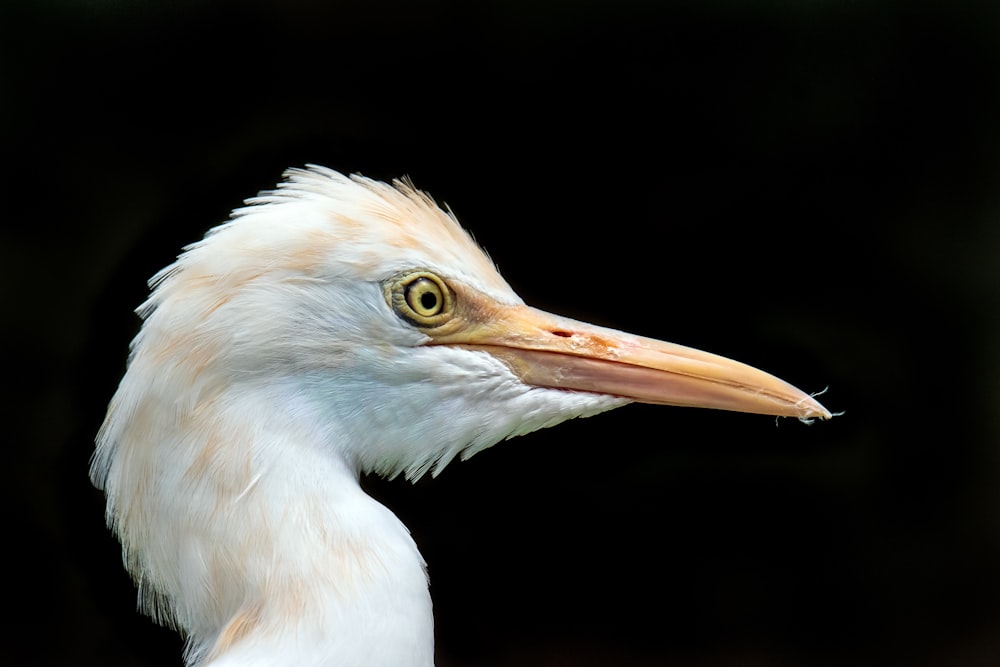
(333, 327)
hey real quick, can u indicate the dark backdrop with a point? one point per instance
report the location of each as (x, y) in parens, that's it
(810, 187)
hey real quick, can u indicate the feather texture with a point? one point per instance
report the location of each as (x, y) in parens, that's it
(270, 372)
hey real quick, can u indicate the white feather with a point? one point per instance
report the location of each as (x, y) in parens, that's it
(268, 374)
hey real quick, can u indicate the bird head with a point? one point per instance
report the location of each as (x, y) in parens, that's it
(384, 321)
(337, 326)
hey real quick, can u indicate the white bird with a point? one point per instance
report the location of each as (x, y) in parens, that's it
(338, 326)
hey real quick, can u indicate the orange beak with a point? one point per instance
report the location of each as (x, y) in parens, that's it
(546, 350)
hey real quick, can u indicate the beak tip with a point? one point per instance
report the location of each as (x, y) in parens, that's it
(809, 408)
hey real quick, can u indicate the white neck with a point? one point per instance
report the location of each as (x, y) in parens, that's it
(345, 584)
(263, 547)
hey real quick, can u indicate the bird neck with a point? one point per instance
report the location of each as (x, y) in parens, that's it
(340, 580)
(263, 547)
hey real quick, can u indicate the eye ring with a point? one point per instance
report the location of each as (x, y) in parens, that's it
(420, 298)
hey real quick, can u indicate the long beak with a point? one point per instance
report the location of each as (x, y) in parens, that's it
(546, 350)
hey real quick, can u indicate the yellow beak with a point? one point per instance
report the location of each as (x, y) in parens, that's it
(546, 350)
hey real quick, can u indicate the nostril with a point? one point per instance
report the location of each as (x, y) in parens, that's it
(561, 334)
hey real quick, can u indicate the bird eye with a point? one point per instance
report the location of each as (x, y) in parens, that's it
(420, 298)
(424, 296)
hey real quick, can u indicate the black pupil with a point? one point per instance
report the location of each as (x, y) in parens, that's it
(428, 300)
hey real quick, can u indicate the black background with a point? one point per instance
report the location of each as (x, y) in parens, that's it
(810, 187)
